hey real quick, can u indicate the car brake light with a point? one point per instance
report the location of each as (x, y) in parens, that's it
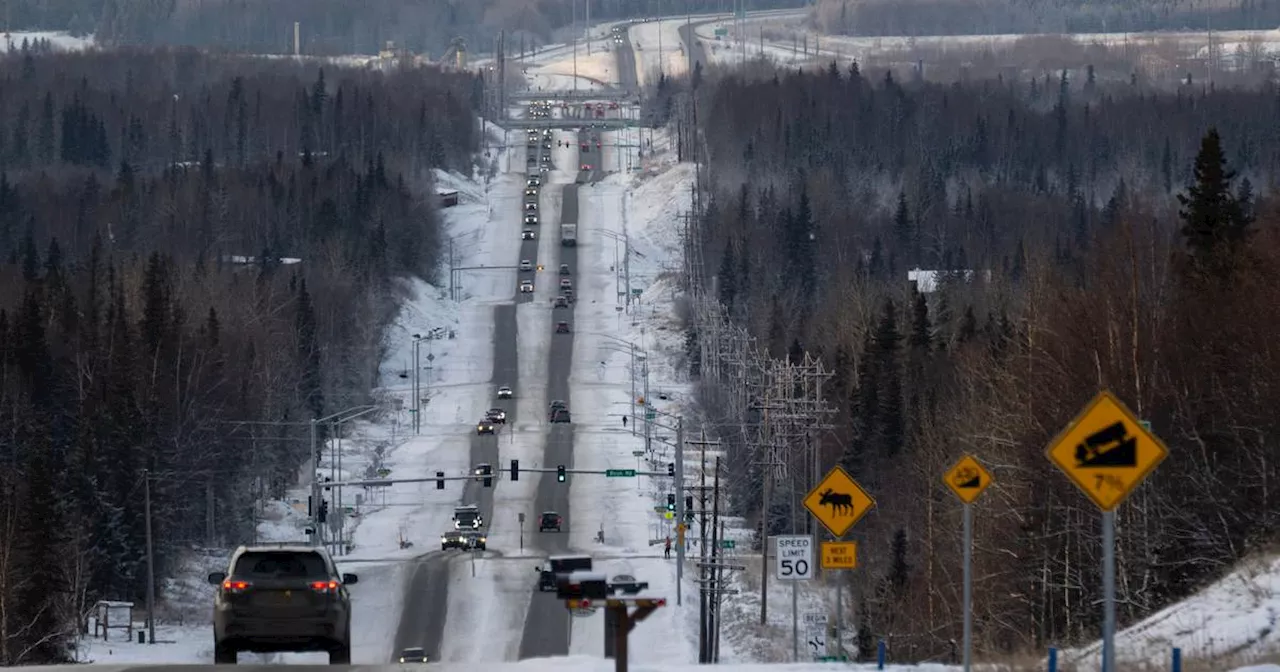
(230, 586)
(325, 586)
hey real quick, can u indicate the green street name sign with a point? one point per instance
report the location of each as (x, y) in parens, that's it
(620, 473)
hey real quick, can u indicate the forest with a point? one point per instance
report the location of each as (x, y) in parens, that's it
(331, 27)
(1085, 237)
(189, 243)
(991, 17)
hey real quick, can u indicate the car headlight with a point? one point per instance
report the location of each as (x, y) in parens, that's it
(444, 540)
(402, 659)
(484, 539)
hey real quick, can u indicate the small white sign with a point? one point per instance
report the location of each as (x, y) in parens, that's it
(795, 557)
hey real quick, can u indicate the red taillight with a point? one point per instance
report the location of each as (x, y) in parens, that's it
(230, 586)
(325, 586)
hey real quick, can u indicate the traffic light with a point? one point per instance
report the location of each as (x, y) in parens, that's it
(439, 480)
(671, 502)
(515, 470)
(560, 473)
(688, 503)
(671, 469)
(324, 511)
(487, 471)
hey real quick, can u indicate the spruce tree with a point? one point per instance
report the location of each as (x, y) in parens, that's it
(1215, 225)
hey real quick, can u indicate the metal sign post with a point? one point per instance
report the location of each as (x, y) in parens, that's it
(967, 479)
(1107, 452)
(795, 563)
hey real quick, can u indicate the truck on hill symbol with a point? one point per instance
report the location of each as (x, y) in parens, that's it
(967, 478)
(841, 503)
(1108, 448)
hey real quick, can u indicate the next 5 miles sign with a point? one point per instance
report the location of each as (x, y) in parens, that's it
(795, 557)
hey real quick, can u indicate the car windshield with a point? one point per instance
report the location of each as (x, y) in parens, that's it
(279, 565)
(549, 516)
(466, 516)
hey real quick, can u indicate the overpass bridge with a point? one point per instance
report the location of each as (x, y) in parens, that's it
(606, 124)
(570, 96)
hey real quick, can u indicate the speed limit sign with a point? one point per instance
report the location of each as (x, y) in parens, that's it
(795, 557)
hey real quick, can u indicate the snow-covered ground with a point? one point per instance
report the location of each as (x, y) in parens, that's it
(785, 41)
(488, 607)
(59, 39)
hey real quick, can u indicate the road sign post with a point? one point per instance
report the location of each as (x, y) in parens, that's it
(1107, 452)
(795, 563)
(967, 479)
(846, 503)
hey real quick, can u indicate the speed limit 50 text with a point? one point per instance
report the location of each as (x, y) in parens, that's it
(795, 557)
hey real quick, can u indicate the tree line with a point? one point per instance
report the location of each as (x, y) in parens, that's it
(1082, 237)
(331, 27)
(189, 243)
(993, 17)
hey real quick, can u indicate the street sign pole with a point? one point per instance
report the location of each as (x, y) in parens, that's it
(968, 586)
(967, 480)
(1109, 591)
(795, 624)
(1107, 452)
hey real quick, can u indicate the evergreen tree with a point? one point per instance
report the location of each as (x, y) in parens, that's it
(308, 352)
(890, 428)
(1215, 225)
(866, 636)
(921, 330)
(727, 282)
(899, 569)
(902, 228)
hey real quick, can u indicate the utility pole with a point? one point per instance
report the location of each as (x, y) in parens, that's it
(682, 523)
(151, 560)
(314, 509)
(704, 570)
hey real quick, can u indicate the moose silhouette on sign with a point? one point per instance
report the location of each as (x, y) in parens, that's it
(841, 503)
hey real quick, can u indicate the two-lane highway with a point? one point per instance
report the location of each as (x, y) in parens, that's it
(423, 616)
(547, 627)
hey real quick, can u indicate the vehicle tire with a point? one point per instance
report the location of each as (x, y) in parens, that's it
(224, 654)
(340, 654)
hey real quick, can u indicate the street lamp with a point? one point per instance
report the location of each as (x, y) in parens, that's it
(332, 420)
(632, 349)
(626, 259)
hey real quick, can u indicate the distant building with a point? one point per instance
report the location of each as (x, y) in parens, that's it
(926, 282)
(448, 197)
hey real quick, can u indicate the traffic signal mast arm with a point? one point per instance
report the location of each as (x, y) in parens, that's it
(375, 482)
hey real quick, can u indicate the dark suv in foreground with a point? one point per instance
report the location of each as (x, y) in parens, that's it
(284, 597)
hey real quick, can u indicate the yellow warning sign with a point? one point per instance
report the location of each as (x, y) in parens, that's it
(1106, 451)
(838, 502)
(967, 479)
(839, 555)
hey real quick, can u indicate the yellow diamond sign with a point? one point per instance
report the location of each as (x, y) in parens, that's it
(838, 502)
(967, 479)
(1106, 451)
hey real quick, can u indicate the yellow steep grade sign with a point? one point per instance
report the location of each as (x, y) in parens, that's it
(967, 479)
(838, 502)
(1106, 451)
